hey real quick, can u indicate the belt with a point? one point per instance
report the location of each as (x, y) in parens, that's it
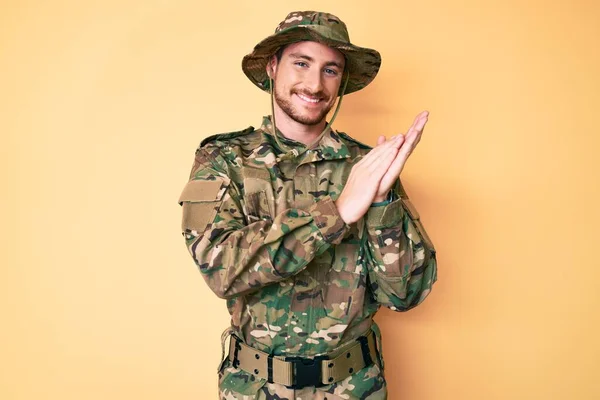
(298, 372)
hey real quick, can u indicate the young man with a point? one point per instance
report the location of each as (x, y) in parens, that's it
(303, 230)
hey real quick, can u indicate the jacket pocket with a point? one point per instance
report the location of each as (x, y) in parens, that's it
(258, 207)
(259, 200)
(416, 220)
(201, 200)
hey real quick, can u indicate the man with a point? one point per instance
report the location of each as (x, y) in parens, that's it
(305, 231)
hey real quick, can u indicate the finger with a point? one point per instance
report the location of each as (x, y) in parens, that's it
(375, 155)
(413, 136)
(380, 165)
(397, 140)
(377, 151)
(419, 121)
(396, 167)
(422, 121)
(420, 133)
(394, 141)
(393, 171)
(422, 115)
(412, 139)
(409, 144)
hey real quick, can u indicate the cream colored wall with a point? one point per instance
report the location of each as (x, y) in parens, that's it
(102, 105)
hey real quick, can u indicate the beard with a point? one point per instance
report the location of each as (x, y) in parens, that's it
(292, 111)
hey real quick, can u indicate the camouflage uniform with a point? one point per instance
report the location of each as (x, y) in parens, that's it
(262, 226)
(260, 222)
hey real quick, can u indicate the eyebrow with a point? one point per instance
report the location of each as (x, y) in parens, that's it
(308, 58)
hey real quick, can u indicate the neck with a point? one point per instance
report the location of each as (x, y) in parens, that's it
(295, 130)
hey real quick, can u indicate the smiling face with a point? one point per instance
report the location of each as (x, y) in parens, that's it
(307, 79)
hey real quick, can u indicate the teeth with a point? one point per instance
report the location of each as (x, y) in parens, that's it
(308, 99)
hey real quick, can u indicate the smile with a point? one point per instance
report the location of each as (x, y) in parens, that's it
(307, 98)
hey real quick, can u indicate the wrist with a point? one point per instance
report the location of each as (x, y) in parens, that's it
(383, 200)
(380, 199)
(347, 217)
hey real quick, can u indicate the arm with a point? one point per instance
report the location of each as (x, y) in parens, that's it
(237, 257)
(400, 256)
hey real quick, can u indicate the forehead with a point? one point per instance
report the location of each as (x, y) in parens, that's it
(315, 50)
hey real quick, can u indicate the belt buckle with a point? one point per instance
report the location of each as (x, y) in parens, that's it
(306, 371)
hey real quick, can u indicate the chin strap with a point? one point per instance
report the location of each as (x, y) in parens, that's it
(294, 152)
(281, 145)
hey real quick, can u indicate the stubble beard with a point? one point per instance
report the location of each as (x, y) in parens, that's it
(288, 108)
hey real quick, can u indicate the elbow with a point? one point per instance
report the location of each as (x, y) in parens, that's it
(229, 290)
(220, 292)
(224, 293)
(414, 290)
(406, 304)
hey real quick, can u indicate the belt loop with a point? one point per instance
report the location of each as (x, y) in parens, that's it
(236, 361)
(364, 346)
(226, 333)
(270, 368)
(379, 360)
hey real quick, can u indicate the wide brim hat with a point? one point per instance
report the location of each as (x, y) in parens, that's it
(362, 64)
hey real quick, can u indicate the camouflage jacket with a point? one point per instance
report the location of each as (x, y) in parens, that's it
(263, 229)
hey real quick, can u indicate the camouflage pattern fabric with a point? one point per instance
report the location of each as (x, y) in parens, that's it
(362, 64)
(263, 229)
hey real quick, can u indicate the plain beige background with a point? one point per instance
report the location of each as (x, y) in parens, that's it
(102, 104)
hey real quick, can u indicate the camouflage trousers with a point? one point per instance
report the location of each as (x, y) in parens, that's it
(366, 384)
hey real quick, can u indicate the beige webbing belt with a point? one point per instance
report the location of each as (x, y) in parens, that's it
(291, 372)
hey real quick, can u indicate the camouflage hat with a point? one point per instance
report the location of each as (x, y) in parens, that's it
(362, 64)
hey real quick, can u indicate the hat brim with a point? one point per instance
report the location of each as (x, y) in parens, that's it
(362, 64)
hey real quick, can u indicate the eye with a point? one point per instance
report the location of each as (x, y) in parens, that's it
(331, 72)
(301, 64)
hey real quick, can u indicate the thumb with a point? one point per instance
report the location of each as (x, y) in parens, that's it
(380, 140)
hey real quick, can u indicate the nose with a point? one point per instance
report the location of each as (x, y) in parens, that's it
(314, 80)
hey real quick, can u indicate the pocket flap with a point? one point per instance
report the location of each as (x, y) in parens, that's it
(203, 190)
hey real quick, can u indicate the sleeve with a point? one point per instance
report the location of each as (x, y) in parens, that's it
(237, 255)
(400, 256)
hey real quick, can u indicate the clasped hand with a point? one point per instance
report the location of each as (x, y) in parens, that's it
(374, 175)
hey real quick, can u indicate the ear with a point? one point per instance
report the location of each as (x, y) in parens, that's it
(271, 67)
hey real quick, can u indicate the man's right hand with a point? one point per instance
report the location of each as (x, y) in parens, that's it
(364, 179)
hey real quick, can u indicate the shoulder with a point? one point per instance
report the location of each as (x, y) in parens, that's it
(350, 142)
(226, 139)
(218, 152)
(223, 151)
